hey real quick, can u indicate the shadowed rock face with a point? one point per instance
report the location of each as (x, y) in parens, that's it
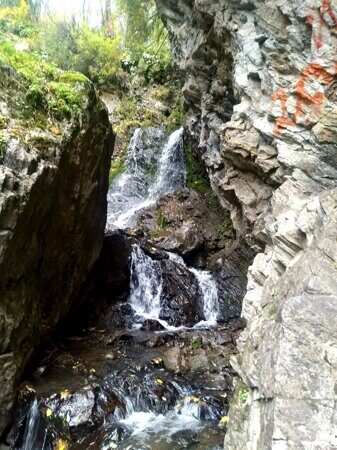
(53, 186)
(260, 94)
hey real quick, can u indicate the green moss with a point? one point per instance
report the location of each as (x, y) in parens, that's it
(162, 221)
(117, 168)
(197, 344)
(196, 175)
(225, 229)
(3, 121)
(73, 77)
(159, 233)
(244, 396)
(3, 146)
(163, 93)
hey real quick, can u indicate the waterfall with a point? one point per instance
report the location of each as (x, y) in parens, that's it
(171, 171)
(154, 167)
(208, 288)
(146, 285)
(35, 434)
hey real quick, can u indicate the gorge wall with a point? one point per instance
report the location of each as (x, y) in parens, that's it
(53, 186)
(260, 92)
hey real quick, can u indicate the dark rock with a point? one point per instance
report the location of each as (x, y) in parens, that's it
(152, 325)
(53, 208)
(185, 438)
(116, 316)
(181, 297)
(103, 438)
(230, 268)
(195, 225)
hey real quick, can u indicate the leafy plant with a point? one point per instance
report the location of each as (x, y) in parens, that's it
(225, 229)
(196, 174)
(244, 396)
(197, 344)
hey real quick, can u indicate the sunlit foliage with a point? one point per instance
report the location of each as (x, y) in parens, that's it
(131, 39)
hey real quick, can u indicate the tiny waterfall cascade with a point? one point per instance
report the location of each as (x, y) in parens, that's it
(34, 433)
(154, 167)
(209, 290)
(146, 284)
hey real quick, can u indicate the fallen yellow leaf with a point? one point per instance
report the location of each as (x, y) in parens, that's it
(196, 399)
(55, 130)
(159, 381)
(157, 361)
(30, 389)
(224, 419)
(64, 394)
(61, 445)
(49, 412)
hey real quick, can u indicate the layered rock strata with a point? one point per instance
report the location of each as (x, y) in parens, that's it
(260, 82)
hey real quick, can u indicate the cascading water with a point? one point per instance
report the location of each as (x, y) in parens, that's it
(209, 290)
(146, 285)
(146, 406)
(154, 167)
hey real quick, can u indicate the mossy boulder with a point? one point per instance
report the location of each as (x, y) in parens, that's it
(55, 151)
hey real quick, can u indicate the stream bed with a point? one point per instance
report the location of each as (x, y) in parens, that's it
(161, 378)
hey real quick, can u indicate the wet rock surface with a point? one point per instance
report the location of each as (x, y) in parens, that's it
(92, 390)
(186, 222)
(53, 185)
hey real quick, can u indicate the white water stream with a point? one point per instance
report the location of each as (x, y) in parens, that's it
(155, 166)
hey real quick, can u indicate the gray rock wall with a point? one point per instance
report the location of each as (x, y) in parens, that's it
(53, 185)
(260, 91)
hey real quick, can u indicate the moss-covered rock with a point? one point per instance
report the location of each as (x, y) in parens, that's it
(55, 149)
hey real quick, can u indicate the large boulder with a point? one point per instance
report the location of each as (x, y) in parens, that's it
(260, 96)
(53, 186)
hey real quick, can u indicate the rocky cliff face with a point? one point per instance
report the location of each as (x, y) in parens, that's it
(53, 185)
(260, 91)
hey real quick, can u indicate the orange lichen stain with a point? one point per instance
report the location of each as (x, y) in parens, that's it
(327, 9)
(281, 122)
(317, 36)
(319, 24)
(310, 73)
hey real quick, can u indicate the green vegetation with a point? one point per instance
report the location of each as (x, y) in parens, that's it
(225, 229)
(3, 121)
(3, 144)
(196, 175)
(130, 41)
(244, 396)
(197, 344)
(117, 168)
(162, 221)
(48, 89)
